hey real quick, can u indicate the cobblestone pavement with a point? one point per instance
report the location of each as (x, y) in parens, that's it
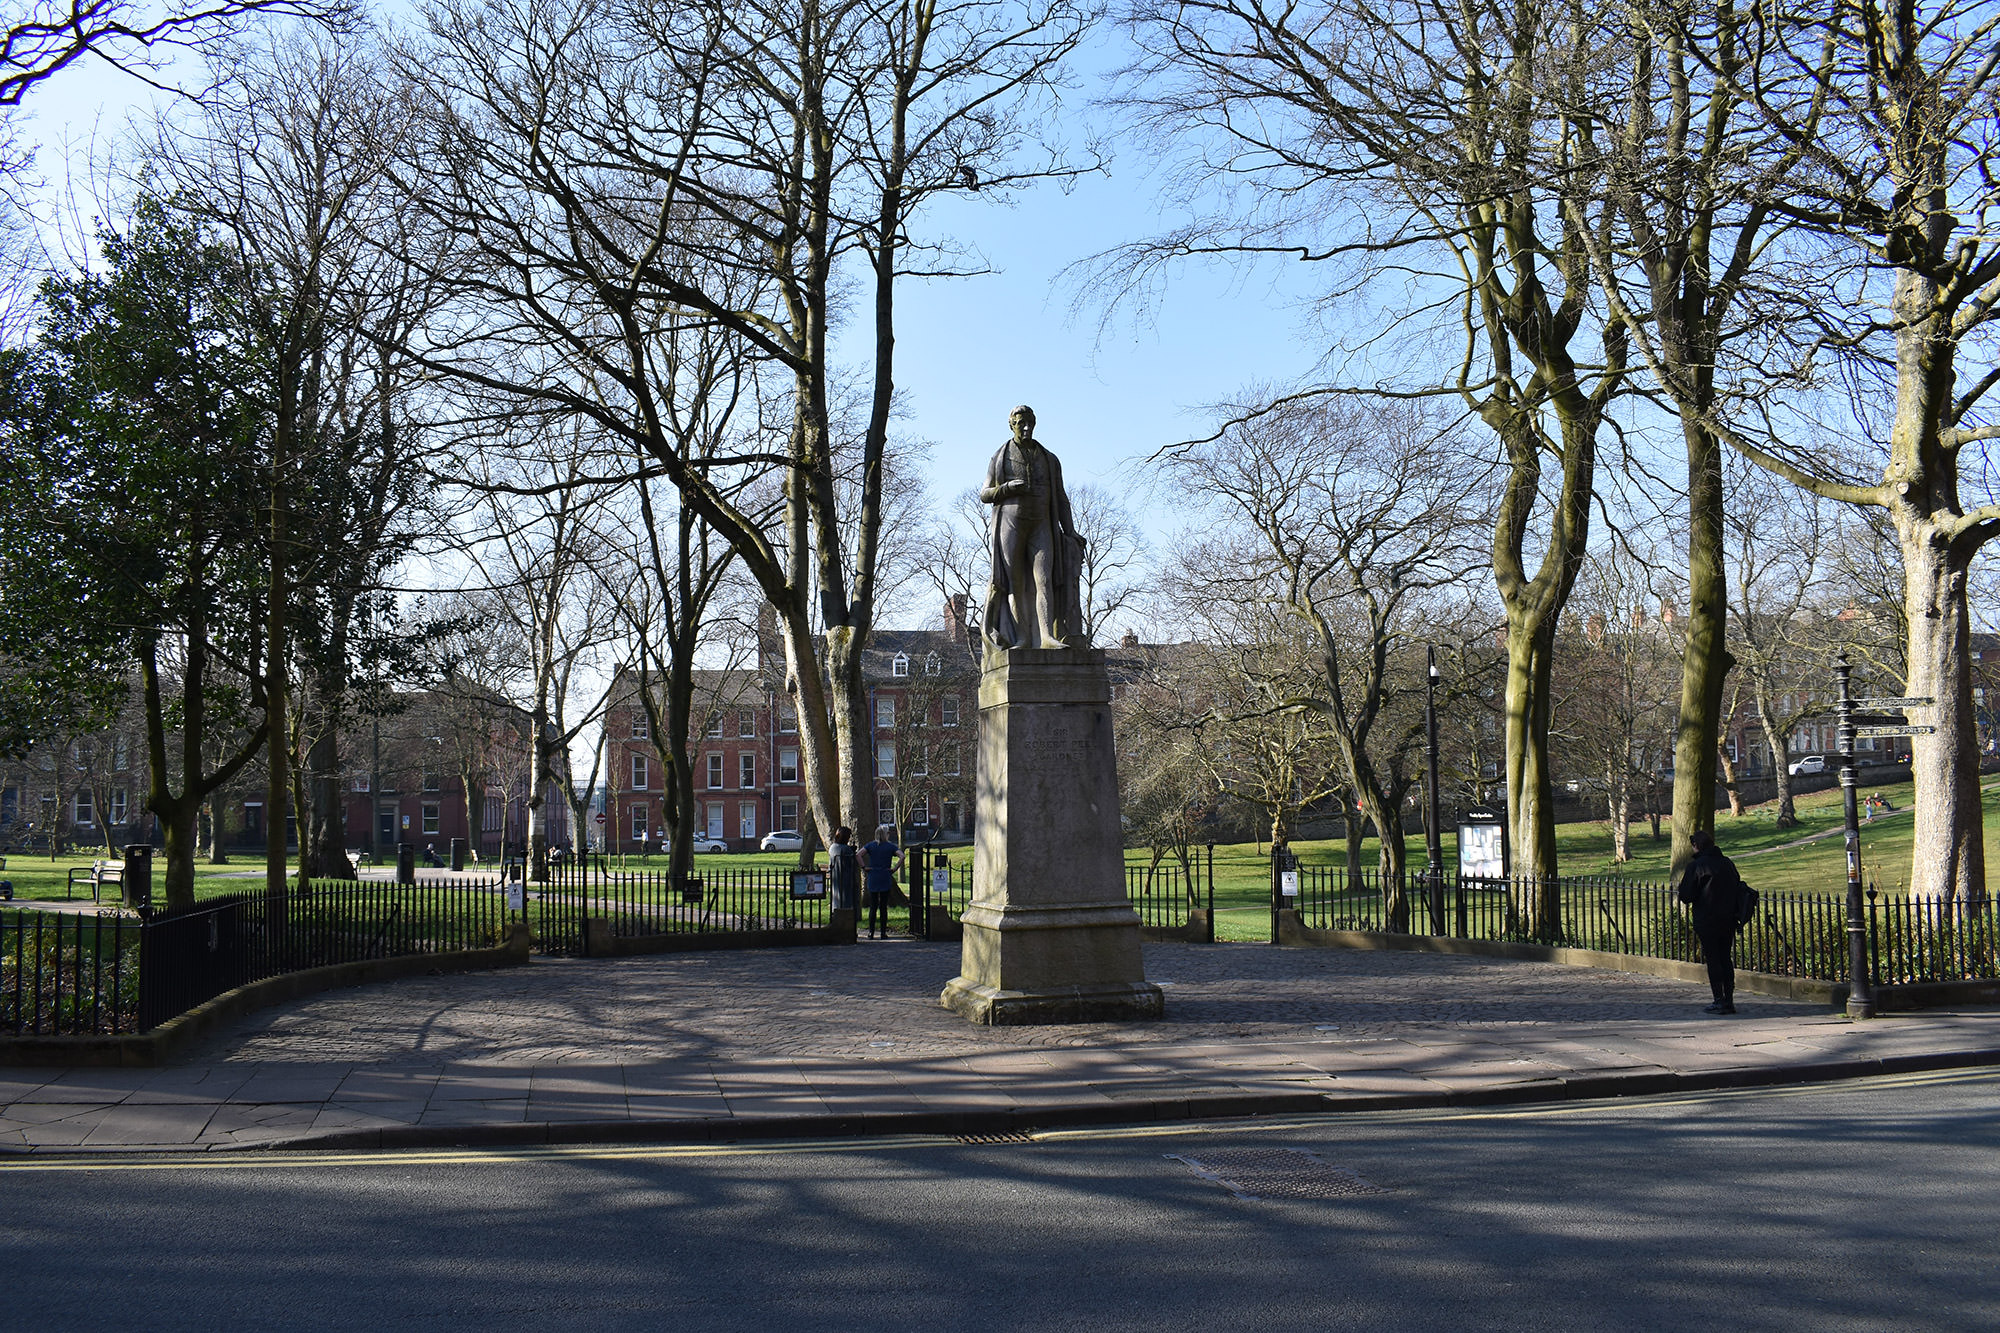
(874, 997)
(841, 1037)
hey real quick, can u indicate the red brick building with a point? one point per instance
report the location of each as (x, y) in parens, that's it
(923, 688)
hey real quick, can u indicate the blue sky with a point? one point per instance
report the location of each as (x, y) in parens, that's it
(969, 349)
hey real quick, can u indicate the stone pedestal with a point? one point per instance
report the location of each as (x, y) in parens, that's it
(1049, 936)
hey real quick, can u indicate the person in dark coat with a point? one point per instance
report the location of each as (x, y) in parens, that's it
(1712, 887)
(843, 872)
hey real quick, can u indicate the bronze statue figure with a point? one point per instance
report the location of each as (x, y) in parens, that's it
(1037, 555)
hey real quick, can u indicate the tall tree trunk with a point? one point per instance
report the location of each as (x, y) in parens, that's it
(1729, 783)
(1530, 786)
(1949, 855)
(1707, 661)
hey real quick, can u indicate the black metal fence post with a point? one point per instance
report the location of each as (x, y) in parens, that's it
(406, 863)
(913, 865)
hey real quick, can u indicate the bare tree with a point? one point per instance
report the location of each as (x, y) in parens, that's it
(1409, 138)
(613, 172)
(1350, 523)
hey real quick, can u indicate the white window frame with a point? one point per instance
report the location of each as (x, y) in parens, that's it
(788, 815)
(885, 759)
(933, 665)
(948, 710)
(119, 803)
(715, 817)
(640, 772)
(920, 811)
(920, 761)
(715, 724)
(433, 815)
(715, 771)
(83, 810)
(641, 731)
(950, 761)
(885, 712)
(899, 665)
(746, 771)
(638, 816)
(746, 724)
(746, 819)
(788, 766)
(952, 815)
(788, 720)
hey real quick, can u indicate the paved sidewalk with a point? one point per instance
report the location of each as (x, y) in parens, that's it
(851, 1040)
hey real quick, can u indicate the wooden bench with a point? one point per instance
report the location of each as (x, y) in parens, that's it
(100, 874)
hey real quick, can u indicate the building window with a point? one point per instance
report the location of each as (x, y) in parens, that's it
(430, 817)
(948, 760)
(715, 819)
(715, 773)
(920, 811)
(360, 783)
(80, 809)
(638, 823)
(746, 723)
(118, 806)
(920, 761)
(952, 816)
(885, 760)
(715, 724)
(788, 816)
(639, 773)
(640, 730)
(885, 714)
(746, 771)
(494, 813)
(788, 765)
(933, 665)
(746, 820)
(885, 809)
(788, 721)
(433, 781)
(121, 756)
(900, 665)
(948, 710)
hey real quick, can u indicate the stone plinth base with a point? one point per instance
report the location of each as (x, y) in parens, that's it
(1049, 936)
(994, 1007)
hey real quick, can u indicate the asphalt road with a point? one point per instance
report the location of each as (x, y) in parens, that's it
(1859, 1206)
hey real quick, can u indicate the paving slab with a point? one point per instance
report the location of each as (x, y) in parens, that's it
(708, 1045)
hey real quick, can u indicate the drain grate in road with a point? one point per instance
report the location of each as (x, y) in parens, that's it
(1011, 1136)
(1276, 1173)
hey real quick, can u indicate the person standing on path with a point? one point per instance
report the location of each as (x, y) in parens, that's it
(1712, 887)
(878, 864)
(843, 872)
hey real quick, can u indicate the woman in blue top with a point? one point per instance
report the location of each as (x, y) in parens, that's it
(878, 869)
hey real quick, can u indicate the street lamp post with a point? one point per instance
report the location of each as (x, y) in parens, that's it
(1860, 995)
(1434, 835)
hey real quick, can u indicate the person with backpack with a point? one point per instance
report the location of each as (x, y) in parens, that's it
(1719, 897)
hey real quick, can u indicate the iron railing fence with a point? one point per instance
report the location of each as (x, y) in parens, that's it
(76, 974)
(644, 902)
(69, 974)
(1911, 938)
(189, 957)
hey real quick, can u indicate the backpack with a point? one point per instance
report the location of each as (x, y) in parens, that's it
(1746, 910)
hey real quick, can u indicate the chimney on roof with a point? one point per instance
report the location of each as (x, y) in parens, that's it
(1593, 629)
(1131, 640)
(770, 648)
(1666, 612)
(954, 617)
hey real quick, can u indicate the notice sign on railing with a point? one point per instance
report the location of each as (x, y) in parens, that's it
(1288, 883)
(809, 884)
(517, 896)
(941, 880)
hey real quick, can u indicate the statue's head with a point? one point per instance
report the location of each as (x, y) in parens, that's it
(1022, 422)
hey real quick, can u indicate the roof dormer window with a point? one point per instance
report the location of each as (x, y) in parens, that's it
(901, 665)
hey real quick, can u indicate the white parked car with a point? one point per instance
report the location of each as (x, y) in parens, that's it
(1812, 763)
(709, 845)
(782, 842)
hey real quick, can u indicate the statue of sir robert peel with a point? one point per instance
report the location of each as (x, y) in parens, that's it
(1037, 554)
